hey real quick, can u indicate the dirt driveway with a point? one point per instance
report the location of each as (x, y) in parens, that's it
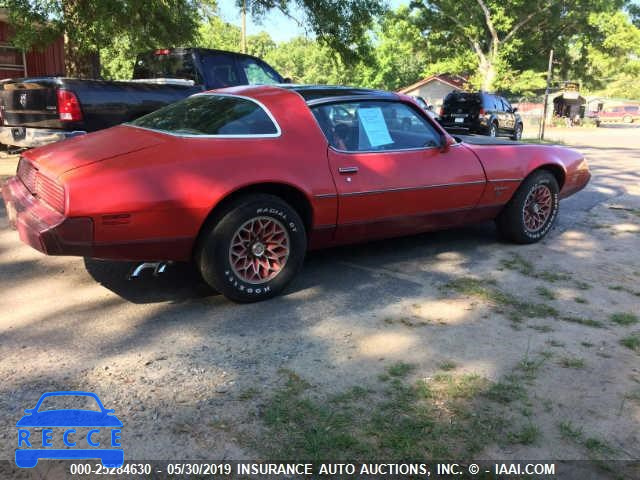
(445, 345)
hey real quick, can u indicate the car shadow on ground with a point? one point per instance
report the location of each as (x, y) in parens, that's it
(182, 282)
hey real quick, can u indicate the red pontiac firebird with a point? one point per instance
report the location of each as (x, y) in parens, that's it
(244, 180)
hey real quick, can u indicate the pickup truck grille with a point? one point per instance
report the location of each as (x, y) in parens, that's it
(41, 186)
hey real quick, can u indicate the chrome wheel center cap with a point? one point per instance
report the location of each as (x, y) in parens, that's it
(258, 249)
(535, 207)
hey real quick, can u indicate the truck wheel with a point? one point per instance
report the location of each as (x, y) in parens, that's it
(493, 129)
(530, 213)
(517, 133)
(254, 250)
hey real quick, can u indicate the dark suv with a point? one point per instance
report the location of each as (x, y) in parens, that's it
(482, 113)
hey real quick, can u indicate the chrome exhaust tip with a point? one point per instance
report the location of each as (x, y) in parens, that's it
(158, 268)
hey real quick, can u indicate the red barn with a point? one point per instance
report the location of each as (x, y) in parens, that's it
(15, 63)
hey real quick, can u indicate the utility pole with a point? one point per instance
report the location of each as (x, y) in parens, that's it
(546, 97)
(244, 26)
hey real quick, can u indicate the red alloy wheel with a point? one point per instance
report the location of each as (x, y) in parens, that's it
(259, 250)
(537, 208)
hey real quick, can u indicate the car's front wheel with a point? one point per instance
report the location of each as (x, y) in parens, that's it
(530, 213)
(254, 250)
(493, 130)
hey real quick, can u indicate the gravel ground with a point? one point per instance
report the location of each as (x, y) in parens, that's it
(176, 361)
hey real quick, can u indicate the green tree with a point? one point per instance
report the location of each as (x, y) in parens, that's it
(89, 26)
(507, 36)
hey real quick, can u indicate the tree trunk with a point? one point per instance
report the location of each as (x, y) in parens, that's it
(487, 69)
(78, 63)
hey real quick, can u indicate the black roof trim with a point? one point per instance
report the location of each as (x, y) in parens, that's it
(319, 93)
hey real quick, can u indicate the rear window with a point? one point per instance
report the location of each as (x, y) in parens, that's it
(461, 101)
(166, 64)
(207, 114)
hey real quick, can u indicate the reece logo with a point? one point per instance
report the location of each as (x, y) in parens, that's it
(77, 434)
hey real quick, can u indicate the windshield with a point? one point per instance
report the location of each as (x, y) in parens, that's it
(222, 115)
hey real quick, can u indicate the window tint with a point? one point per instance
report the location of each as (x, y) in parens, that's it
(258, 73)
(374, 125)
(166, 64)
(220, 69)
(506, 105)
(210, 115)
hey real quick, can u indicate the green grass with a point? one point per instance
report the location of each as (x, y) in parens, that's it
(580, 300)
(520, 265)
(527, 435)
(505, 303)
(632, 342)
(588, 322)
(586, 344)
(545, 293)
(621, 288)
(624, 319)
(447, 365)
(506, 391)
(572, 362)
(634, 396)
(394, 420)
(582, 285)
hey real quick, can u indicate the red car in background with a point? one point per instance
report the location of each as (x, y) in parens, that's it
(244, 180)
(618, 114)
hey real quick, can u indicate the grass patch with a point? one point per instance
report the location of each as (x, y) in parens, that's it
(624, 319)
(395, 420)
(572, 362)
(632, 342)
(446, 366)
(588, 322)
(527, 435)
(545, 293)
(515, 309)
(586, 344)
(580, 300)
(248, 394)
(555, 343)
(520, 265)
(621, 288)
(582, 285)
(506, 391)
(633, 396)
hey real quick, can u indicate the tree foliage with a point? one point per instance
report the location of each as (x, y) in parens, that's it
(90, 25)
(508, 38)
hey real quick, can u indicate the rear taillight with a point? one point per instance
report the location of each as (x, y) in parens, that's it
(481, 112)
(69, 106)
(41, 186)
(442, 112)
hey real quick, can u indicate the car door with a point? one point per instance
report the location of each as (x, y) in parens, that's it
(509, 115)
(391, 174)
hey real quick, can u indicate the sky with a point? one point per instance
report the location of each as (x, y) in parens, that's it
(280, 27)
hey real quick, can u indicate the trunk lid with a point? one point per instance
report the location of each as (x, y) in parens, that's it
(60, 157)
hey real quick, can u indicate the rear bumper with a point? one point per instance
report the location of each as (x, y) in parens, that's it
(27, 137)
(44, 228)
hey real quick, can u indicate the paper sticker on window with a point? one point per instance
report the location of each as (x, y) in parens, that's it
(374, 126)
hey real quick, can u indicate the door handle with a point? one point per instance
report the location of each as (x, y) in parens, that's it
(346, 170)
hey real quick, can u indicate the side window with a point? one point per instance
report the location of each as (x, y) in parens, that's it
(258, 73)
(209, 114)
(374, 126)
(506, 105)
(221, 70)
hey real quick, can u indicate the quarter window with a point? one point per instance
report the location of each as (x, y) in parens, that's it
(207, 114)
(374, 126)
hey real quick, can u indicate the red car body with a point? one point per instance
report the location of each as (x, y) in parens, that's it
(129, 193)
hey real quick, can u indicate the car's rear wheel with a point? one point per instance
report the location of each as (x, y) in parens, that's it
(530, 213)
(493, 130)
(254, 250)
(517, 133)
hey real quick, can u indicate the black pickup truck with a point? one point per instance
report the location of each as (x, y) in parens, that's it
(37, 111)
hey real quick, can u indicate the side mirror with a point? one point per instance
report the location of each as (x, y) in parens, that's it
(287, 80)
(514, 110)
